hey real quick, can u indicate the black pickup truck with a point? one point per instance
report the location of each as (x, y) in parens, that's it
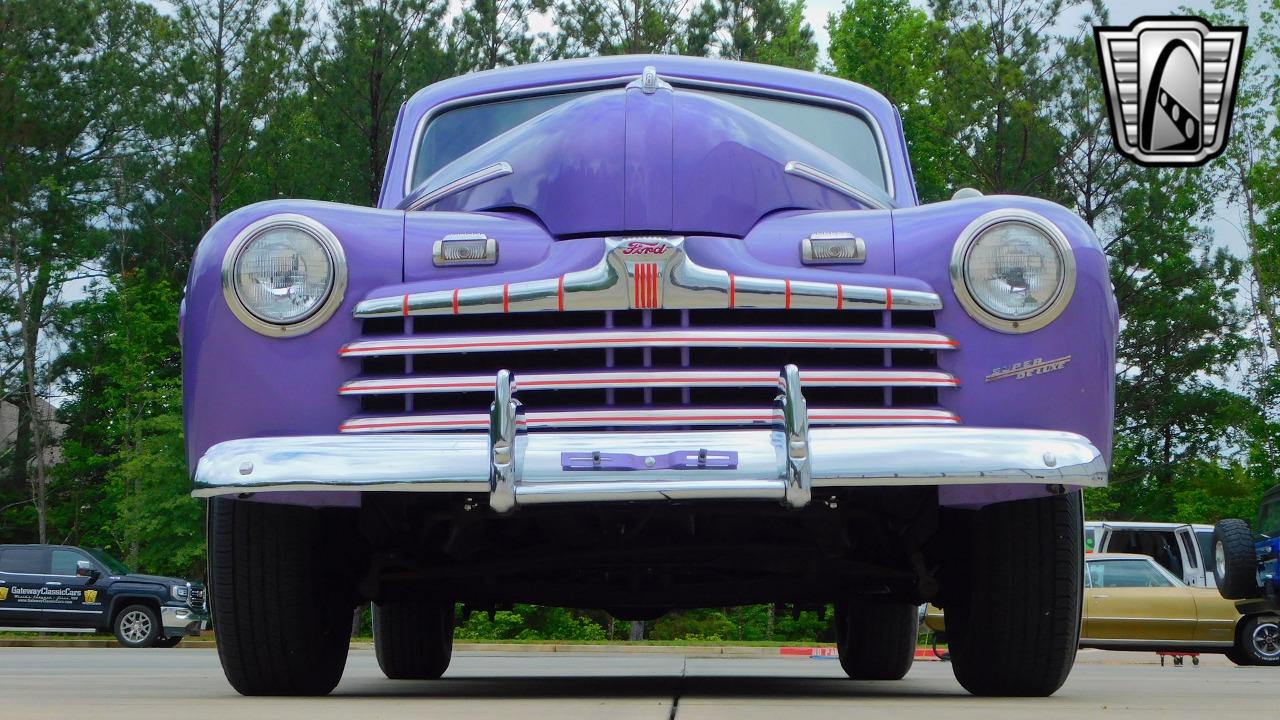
(71, 589)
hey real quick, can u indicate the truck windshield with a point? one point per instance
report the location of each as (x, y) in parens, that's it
(1269, 518)
(454, 133)
(111, 562)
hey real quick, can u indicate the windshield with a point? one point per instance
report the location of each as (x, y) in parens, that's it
(111, 562)
(1269, 518)
(454, 133)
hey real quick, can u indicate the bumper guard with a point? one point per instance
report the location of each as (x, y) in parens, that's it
(785, 463)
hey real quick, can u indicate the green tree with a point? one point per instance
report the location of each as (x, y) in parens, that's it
(494, 33)
(228, 55)
(76, 85)
(614, 27)
(1249, 171)
(125, 463)
(1001, 71)
(765, 31)
(374, 56)
(893, 47)
(1182, 335)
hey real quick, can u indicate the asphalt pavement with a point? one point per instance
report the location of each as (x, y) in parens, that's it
(188, 683)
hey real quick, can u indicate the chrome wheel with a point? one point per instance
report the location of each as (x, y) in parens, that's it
(1219, 559)
(135, 627)
(1266, 640)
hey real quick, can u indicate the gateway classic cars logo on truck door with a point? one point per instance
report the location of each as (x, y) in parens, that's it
(1171, 85)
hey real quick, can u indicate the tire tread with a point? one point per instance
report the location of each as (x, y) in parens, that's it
(281, 626)
(1017, 613)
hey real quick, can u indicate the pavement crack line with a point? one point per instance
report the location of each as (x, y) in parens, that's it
(675, 698)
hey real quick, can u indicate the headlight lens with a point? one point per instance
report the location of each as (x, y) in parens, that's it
(180, 592)
(284, 275)
(1013, 271)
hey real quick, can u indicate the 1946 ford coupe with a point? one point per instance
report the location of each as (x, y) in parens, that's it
(646, 333)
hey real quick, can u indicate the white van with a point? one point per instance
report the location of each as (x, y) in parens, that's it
(1184, 550)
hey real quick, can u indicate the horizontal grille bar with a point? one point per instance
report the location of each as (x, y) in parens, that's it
(654, 339)
(652, 418)
(648, 379)
(647, 274)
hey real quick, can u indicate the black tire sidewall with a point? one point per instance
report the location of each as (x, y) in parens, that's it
(1246, 647)
(151, 638)
(1010, 638)
(877, 641)
(413, 639)
(281, 606)
(1239, 581)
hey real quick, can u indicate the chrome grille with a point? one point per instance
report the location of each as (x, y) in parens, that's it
(196, 598)
(646, 368)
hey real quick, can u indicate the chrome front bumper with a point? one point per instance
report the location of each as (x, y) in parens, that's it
(179, 621)
(784, 464)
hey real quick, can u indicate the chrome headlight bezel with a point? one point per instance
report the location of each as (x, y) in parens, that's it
(322, 311)
(990, 318)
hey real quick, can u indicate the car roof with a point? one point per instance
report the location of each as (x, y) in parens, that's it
(1144, 525)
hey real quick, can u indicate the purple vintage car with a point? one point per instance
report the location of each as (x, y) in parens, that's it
(644, 333)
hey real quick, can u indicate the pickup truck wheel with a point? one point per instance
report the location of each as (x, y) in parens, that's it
(1014, 596)
(413, 639)
(876, 641)
(281, 619)
(1235, 560)
(137, 626)
(1259, 642)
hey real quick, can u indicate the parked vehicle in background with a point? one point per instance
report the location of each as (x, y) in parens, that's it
(645, 333)
(1132, 602)
(1182, 549)
(70, 589)
(1248, 558)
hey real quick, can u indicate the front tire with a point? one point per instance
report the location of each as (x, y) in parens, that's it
(281, 618)
(876, 641)
(1235, 560)
(1014, 595)
(137, 626)
(413, 639)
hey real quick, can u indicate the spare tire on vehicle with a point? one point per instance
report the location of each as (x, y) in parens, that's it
(1235, 560)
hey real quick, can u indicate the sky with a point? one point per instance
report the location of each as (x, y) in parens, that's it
(1122, 13)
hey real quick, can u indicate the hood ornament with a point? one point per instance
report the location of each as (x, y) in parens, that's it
(649, 82)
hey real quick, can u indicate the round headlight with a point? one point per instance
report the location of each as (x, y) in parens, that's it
(284, 275)
(1013, 271)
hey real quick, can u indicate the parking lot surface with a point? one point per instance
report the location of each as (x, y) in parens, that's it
(188, 683)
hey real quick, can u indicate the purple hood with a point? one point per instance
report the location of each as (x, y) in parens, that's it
(630, 161)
